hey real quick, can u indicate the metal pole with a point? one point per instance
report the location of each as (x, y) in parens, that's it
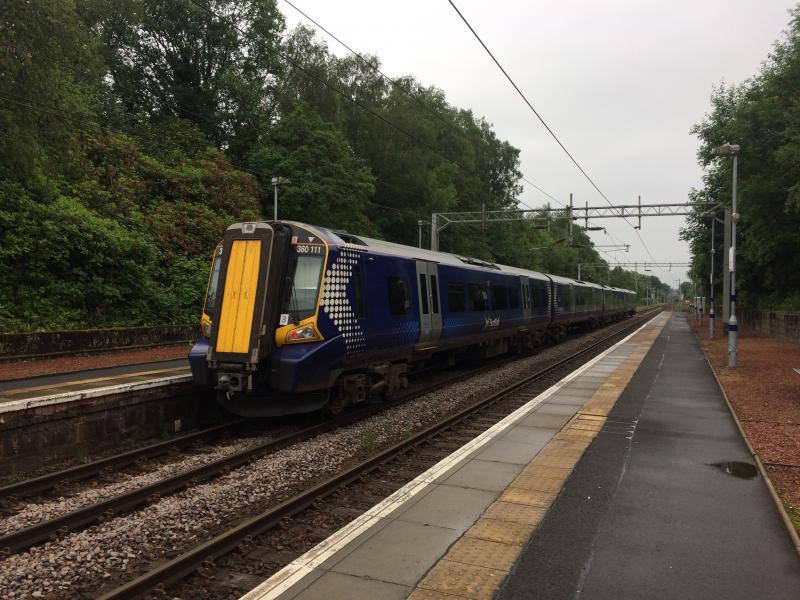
(640, 213)
(275, 204)
(733, 325)
(434, 232)
(419, 224)
(579, 271)
(711, 316)
(569, 216)
(726, 279)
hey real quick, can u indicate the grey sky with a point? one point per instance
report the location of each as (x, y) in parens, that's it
(619, 81)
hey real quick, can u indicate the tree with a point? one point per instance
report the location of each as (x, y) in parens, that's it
(763, 116)
(217, 68)
(49, 68)
(330, 186)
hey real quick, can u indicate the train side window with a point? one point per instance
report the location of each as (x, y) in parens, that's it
(398, 296)
(538, 296)
(513, 297)
(213, 283)
(499, 297)
(478, 297)
(358, 287)
(455, 297)
(423, 292)
(435, 294)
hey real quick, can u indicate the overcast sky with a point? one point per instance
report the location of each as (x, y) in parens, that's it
(619, 81)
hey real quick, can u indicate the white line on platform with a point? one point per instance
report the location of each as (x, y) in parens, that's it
(109, 390)
(303, 565)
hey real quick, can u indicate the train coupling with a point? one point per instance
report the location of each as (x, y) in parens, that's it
(234, 382)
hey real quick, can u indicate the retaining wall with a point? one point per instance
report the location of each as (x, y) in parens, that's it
(53, 343)
(49, 435)
(780, 324)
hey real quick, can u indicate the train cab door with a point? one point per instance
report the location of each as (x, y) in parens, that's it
(430, 315)
(526, 300)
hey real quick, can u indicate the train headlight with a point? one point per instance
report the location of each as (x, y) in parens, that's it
(306, 333)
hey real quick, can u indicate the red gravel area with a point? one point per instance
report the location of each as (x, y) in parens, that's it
(764, 390)
(787, 483)
(70, 364)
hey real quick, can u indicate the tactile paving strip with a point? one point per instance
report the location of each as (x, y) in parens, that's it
(478, 563)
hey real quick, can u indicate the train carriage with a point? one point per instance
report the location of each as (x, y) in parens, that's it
(299, 317)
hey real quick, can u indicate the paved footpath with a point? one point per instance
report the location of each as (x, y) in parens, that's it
(649, 515)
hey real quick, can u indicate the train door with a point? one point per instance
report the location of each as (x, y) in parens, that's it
(430, 314)
(573, 307)
(526, 300)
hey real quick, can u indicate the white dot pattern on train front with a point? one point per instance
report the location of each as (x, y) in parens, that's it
(336, 304)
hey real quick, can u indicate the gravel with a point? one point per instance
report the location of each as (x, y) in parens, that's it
(80, 562)
(37, 512)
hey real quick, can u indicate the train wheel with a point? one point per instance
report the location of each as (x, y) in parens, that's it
(349, 390)
(336, 402)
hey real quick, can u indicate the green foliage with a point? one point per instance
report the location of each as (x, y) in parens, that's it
(763, 116)
(135, 131)
(330, 184)
(62, 264)
(174, 58)
(49, 68)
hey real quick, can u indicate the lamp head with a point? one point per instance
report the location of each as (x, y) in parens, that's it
(726, 150)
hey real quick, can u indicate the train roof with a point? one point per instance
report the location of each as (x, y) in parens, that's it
(392, 249)
(403, 251)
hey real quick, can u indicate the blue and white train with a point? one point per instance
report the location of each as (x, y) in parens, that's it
(299, 318)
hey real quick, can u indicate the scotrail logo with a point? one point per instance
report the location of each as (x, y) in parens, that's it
(491, 322)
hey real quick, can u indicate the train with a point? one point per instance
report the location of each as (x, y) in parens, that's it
(299, 318)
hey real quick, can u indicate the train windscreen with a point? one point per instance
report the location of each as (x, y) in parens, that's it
(302, 288)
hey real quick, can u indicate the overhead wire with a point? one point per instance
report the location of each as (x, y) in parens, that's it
(544, 123)
(398, 85)
(208, 9)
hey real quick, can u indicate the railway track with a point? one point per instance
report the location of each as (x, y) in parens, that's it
(460, 426)
(24, 538)
(36, 485)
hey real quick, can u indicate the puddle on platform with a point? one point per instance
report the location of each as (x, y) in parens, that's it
(742, 470)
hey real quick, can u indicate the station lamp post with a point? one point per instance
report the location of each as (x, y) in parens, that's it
(712, 257)
(733, 326)
(711, 315)
(276, 181)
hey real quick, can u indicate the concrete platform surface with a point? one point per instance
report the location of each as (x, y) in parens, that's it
(457, 529)
(90, 374)
(50, 390)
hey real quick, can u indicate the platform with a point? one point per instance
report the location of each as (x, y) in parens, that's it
(49, 390)
(603, 486)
